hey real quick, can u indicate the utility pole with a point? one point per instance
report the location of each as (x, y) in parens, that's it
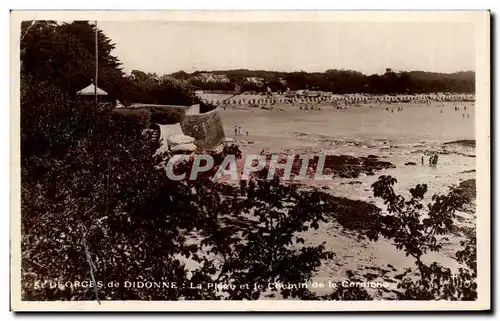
(96, 63)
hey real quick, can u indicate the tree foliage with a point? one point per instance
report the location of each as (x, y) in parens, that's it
(415, 230)
(344, 81)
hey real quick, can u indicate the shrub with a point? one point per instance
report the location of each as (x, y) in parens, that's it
(166, 116)
(414, 230)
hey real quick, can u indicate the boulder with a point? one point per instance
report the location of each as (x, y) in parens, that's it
(183, 148)
(174, 140)
(169, 130)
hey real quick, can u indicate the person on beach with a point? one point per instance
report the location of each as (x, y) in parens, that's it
(247, 132)
(430, 160)
(235, 130)
(243, 186)
(422, 159)
(435, 160)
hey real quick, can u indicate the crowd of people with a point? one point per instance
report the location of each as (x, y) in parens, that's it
(238, 131)
(433, 160)
(457, 108)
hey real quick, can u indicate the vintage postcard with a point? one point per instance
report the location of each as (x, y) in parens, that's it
(250, 160)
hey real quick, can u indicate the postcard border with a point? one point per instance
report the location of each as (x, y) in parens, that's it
(481, 20)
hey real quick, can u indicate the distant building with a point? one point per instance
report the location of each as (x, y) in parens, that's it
(257, 81)
(222, 79)
(311, 93)
(173, 80)
(208, 77)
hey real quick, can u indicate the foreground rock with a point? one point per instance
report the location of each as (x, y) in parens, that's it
(181, 144)
(183, 148)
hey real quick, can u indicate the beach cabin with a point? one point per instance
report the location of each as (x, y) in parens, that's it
(90, 92)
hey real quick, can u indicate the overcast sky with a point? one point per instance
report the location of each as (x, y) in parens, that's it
(369, 47)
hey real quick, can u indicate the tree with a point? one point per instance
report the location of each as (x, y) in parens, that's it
(415, 230)
(64, 55)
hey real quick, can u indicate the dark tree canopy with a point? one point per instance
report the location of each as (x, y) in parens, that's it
(64, 55)
(346, 81)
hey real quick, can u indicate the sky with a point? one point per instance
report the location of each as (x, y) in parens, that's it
(369, 47)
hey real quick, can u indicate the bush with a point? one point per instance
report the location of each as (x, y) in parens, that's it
(415, 230)
(139, 116)
(166, 116)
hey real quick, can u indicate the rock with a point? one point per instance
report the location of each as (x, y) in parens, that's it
(218, 149)
(183, 148)
(372, 156)
(174, 140)
(410, 163)
(169, 130)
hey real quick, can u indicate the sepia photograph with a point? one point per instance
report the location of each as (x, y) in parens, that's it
(265, 161)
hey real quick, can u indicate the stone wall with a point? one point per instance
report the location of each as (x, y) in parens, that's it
(206, 128)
